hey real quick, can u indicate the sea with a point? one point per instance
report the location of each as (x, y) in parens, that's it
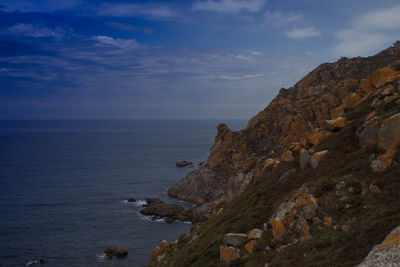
(64, 186)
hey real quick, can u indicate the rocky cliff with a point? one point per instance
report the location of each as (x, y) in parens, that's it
(313, 179)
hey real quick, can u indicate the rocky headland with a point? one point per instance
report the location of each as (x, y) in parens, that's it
(312, 180)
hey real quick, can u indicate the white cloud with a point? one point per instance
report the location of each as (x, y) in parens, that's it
(132, 10)
(279, 19)
(301, 33)
(127, 27)
(119, 43)
(230, 6)
(368, 33)
(31, 30)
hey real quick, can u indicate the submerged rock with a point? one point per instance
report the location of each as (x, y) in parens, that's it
(131, 199)
(184, 163)
(116, 252)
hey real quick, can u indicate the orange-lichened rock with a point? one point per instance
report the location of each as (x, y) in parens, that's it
(290, 219)
(351, 100)
(365, 86)
(339, 122)
(255, 233)
(287, 156)
(336, 112)
(227, 254)
(389, 133)
(250, 246)
(317, 157)
(317, 137)
(381, 76)
(158, 252)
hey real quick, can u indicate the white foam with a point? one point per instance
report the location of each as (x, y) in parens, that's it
(139, 203)
(29, 263)
(101, 257)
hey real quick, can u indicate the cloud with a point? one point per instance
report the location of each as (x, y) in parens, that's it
(38, 5)
(301, 33)
(279, 19)
(229, 6)
(32, 31)
(368, 32)
(119, 43)
(127, 27)
(133, 10)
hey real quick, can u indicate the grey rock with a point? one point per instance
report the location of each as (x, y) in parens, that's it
(184, 163)
(234, 239)
(304, 159)
(116, 252)
(369, 136)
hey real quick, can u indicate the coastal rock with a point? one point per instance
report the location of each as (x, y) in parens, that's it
(227, 254)
(304, 159)
(159, 208)
(337, 123)
(131, 199)
(317, 157)
(389, 133)
(287, 156)
(234, 239)
(250, 246)
(116, 252)
(158, 252)
(255, 233)
(316, 138)
(385, 254)
(289, 221)
(369, 136)
(184, 163)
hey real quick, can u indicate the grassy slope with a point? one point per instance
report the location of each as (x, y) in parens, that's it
(371, 216)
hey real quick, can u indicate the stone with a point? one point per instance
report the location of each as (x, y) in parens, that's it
(317, 157)
(271, 162)
(250, 246)
(304, 159)
(116, 252)
(346, 228)
(227, 254)
(374, 188)
(255, 234)
(389, 133)
(351, 100)
(290, 219)
(337, 112)
(158, 252)
(131, 199)
(316, 138)
(234, 239)
(365, 86)
(379, 166)
(327, 221)
(385, 254)
(337, 123)
(369, 136)
(184, 163)
(287, 156)
(381, 76)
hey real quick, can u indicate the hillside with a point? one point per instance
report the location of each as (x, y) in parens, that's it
(313, 179)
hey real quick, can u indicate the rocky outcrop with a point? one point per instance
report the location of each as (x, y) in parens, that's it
(385, 254)
(184, 163)
(116, 252)
(156, 208)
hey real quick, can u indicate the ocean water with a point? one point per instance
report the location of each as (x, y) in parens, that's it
(64, 186)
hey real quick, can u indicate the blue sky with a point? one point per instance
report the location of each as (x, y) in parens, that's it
(174, 59)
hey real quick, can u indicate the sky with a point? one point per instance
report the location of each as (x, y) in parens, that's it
(200, 59)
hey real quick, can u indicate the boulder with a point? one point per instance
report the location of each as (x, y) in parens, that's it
(271, 162)
(287, 156)
(131, 199)
(317, 137)
(234, 239)
(116, 252)
(158, 252)
(304, 159)
(250, 246)
(379, 166)
(317, 157)
(381, 76)
(227, 254)
(389, 133)
(184, 163)
(385, 254)
(337, 123)
(159, 208)
(365, 86)
(369, 136)
(336, 112)
(289, 221)
(255, 233)
(351, 100)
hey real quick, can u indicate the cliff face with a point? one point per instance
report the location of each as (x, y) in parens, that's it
(296, 119)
